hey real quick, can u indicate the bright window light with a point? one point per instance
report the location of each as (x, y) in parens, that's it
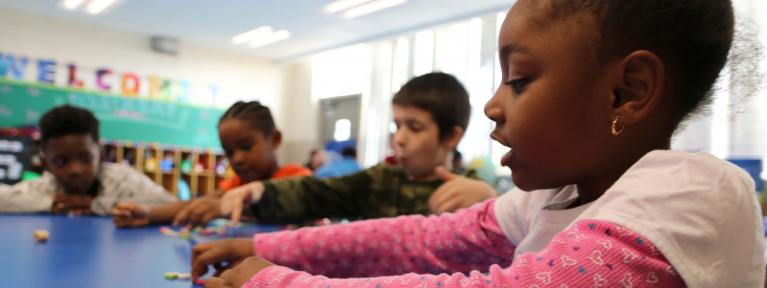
(342, 5)
(252, 35)
(71, 4)
(269, 39)
(343, 130)
(341, 72)
(424, 52)
(372, 7)
(99, 6)
(400, 73)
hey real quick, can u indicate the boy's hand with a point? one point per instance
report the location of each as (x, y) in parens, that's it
(129, 214)
(458, 192)
(234, 200)
(68, 203)
(222, 254)
(240, 274)
(199, 212)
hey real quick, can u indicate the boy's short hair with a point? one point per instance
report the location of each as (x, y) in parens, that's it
(67, 120)
(440, 94)
(258, 116)
(349, 152)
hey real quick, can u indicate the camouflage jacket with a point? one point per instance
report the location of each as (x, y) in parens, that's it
(379, 191)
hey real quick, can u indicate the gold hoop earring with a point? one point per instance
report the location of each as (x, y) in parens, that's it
(614, 126)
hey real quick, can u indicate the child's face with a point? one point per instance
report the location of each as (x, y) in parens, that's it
(416, 142)
(251, 155)
(73, 160)
(553, 109)
(318, 159)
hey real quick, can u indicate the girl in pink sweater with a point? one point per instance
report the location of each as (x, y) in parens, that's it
(592, 92)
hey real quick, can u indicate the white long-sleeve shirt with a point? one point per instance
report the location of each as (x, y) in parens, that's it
(117, 182)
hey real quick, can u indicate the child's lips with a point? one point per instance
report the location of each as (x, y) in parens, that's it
(508, 158)
(243, 172)
(495, 136)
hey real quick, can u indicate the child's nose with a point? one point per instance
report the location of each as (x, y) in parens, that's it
(238, 158)
(75, 169)
(399, 138)
(493, 111)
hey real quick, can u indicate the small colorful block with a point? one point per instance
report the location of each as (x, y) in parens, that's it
(40, 235)
(184, 276)
(185, 234)
(178, 276)
(167, 231)
(171, 275)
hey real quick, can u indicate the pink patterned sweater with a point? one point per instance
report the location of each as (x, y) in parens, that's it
(465, 249)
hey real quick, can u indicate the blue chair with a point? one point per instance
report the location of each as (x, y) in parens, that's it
(754, 168)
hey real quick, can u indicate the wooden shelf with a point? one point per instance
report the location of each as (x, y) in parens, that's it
(200, 183)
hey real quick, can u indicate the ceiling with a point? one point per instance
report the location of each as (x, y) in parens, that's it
(212, 23)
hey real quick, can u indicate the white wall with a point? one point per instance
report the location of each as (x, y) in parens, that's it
(238, 77)
(300, 124)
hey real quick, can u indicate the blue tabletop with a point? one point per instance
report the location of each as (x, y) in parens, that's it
(91, 252)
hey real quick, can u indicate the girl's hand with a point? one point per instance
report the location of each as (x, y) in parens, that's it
(458, 192)
(129, 214)
(68, 203)
(199, 212)
(222, 254)
(234, 200)
(240, 274)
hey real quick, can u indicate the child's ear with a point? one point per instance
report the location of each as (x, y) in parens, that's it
(276, 139)
(452, 139)
(639, 87)
(43, 163)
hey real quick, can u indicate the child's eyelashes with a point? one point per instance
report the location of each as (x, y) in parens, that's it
(415, 127)
(518, 85)
(246, 147)
(410, 126)
(87, 158)
(59, 162)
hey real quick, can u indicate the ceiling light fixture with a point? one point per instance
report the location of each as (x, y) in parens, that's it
(371, 8)
(98, 6)
(341, 5)
(252, 35)
(71, 4)
(269, 39)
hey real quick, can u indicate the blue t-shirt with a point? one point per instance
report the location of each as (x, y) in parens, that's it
(338, 168)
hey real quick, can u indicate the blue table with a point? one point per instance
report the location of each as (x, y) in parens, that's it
(91, 252)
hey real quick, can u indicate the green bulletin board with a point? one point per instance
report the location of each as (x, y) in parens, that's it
(121, 118)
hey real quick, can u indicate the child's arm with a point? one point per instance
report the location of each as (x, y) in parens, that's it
(131, 214)
(124, 184)
(299, 199)
(465, 241)
(458, 192)
(590, 254)
(28, 196)
(194, 213)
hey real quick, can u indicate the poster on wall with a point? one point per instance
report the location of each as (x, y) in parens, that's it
(15, 158)
(121, 118)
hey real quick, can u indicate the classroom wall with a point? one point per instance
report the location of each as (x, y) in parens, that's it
(90, 47)
(300, 126)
